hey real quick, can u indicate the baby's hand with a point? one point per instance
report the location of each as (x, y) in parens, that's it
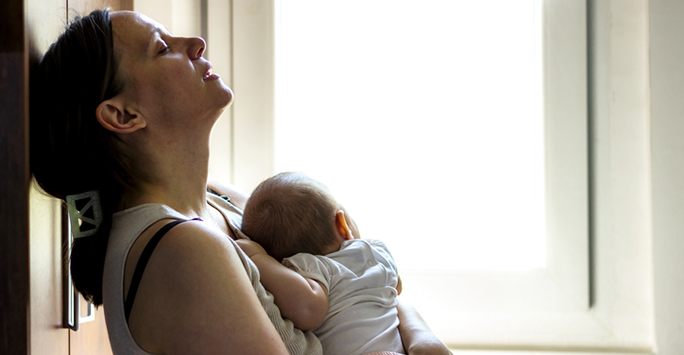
(250, 248)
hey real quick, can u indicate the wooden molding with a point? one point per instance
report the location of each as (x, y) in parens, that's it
(14, 182)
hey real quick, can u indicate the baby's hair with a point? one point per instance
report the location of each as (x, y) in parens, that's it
(291, 213)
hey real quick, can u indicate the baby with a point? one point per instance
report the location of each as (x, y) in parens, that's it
(342, 287)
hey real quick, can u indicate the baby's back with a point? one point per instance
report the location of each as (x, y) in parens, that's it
(361, 279)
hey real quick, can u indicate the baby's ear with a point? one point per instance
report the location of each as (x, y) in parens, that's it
(114, 116)
(341, 226)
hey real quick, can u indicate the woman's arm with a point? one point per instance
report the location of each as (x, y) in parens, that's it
(302, 300)
(195, 298)
(418, 339)
(236, 197)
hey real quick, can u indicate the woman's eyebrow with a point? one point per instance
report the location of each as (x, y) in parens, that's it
(162, 30)
(152, 42)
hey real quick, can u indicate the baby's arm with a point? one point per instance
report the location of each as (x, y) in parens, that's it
(302, 300)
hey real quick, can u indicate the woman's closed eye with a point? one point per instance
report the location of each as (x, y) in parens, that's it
(164, 49)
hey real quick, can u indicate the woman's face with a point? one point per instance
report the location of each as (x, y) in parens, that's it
(165, 77)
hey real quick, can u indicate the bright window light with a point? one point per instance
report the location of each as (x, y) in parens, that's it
(425, 120)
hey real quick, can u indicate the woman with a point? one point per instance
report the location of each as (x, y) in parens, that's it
(121, 114)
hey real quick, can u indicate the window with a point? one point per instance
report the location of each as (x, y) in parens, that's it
(545, 307)
(426, 120)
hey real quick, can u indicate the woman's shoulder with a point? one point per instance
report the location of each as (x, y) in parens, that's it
(193, 251)
(193, 238)
(186, 253)
(192, 256)
(194, 271)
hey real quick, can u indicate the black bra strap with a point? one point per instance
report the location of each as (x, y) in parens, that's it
(142, 263)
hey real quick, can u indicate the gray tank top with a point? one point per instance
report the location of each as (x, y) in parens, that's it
(127, 225)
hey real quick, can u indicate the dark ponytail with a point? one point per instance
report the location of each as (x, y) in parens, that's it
(71, 152)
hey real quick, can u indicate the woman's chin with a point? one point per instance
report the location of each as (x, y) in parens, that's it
(226, 101)
(227, 96)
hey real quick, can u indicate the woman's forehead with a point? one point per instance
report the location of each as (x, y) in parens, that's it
(133, 30)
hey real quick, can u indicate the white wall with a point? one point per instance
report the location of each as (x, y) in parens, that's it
(181, 17)
(666, 27)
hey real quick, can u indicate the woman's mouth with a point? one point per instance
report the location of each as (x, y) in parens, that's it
(209, 75)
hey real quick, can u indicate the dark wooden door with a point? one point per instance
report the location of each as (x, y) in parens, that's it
(14, 182)
(31, 259)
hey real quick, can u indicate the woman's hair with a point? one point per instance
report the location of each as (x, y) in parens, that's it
(291, 213)
(71, 152)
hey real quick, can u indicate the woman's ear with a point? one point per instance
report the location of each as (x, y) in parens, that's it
(341, 226)
(113, 116)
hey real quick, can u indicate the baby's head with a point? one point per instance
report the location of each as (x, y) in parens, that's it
(291, 213)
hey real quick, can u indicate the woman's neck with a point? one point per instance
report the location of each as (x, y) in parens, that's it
(176, 177)
(186, 197)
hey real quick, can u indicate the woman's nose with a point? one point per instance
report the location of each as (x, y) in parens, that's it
(196, 47)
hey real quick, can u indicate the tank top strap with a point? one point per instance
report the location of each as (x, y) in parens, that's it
(142, 263)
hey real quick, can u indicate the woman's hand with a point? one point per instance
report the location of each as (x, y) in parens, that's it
(417, 337)
(238, 198)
